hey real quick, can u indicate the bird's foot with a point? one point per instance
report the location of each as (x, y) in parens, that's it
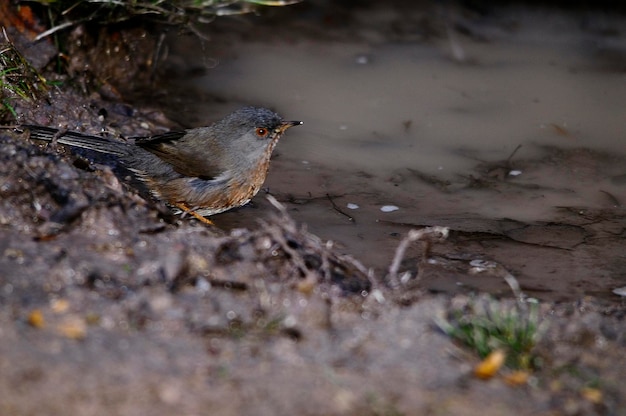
(183, 207)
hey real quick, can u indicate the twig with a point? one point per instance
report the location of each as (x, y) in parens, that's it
(57, 28)
(228, 284)
(60, 133)
(616, 202)
(278, 236)
(514, 285)
(437, 232)
(508, 159)
(336, 208)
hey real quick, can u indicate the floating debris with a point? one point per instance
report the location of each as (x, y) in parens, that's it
(389, 208)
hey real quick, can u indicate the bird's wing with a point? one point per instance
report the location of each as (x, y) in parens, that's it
(158, 138)
(85, 141)
(187, 160)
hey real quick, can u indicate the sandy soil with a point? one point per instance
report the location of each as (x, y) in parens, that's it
(109, 305)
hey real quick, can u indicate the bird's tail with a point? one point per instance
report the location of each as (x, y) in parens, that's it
(83, 141)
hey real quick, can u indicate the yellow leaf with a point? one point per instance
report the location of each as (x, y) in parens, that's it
(488, 367)
(517, 378)
(306, 286)
(35, 319)
(592, 395)
(59, 305)
(73, 328)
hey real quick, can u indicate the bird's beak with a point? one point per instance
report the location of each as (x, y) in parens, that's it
(285, 125)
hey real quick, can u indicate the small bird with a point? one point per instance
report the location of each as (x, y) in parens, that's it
(201, 171)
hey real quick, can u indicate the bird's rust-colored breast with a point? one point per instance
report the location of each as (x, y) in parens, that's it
(243, 189)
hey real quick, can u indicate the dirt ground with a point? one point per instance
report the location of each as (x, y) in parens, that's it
(109, 304)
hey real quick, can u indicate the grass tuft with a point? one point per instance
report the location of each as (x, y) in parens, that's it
(486, 325)
(65, 14)
(18, 79)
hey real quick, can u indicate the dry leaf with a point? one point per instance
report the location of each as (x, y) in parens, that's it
(488, 367)
(35, 319)
(59, 305)
(592, 395)
(517, 378)
(73, 328)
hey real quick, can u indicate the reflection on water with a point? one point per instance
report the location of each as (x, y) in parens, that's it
(411, 106)
(405, 125)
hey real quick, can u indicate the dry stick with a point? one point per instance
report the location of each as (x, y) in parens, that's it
(280, 207)
(437, 232)
(326, 262)
(60, 133)
(616, 202)
(228, 284)
(336, 208)
(500, 271)
(57, 28)
(325, 250)
(280, 239)
(508, 160)
(295, 255)
(514, 285)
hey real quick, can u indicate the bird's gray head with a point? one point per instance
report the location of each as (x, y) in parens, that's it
(249, 117)
(252, 130)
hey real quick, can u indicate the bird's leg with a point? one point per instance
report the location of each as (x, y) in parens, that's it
(183, 207)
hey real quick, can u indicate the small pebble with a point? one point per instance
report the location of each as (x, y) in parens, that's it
(389, 208)
(621, 291)
(362, 59)
(482, 263)
(352, 206)
(203, 285)
(515, 173)
(378, 296)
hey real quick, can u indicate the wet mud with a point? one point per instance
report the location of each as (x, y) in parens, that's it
(511, 134)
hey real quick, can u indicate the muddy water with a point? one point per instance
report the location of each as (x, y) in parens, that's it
(432, 129)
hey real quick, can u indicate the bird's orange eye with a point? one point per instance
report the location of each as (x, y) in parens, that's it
(262, 132)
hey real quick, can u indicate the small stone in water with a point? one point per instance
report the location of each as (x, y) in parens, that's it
(362, 59)
(515, 173)
(352, 206)
(389, 208)
(621, 291)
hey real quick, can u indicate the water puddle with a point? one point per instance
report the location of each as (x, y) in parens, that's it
(519, 147)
